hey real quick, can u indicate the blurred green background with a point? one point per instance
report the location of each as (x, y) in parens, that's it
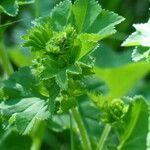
(109, 54)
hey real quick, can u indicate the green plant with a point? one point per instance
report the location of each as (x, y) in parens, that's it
(62, 72)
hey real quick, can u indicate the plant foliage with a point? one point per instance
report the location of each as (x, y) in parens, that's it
(41, 96)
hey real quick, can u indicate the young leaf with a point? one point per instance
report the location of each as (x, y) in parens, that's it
(85, 13)
(39, 35)
(61, 15)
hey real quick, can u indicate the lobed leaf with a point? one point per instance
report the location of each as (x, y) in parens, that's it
(21, 84)
(134, 133)
(24, 112)
(85, 12)
(91, 18)
(11, 7)
(104, 25)
(61, 15)
(89, 42)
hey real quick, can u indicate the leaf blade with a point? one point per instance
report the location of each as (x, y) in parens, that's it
(85, 12)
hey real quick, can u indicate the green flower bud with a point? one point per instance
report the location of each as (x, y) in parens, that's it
(118, 109)
(55, 44)
(114, 111)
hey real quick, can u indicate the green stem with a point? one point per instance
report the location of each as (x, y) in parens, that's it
(103, 137)
(37, 135)
(37, 8)
(71, 134)
(3, 54)
(86, 145)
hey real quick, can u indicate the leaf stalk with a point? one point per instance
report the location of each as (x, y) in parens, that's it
(103, 137)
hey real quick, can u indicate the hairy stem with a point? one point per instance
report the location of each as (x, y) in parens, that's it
(103, 137)
(37, 8)
(83, 133)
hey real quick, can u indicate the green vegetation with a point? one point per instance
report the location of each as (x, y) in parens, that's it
(62, 84)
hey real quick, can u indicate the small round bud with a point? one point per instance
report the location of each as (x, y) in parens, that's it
(114, 111)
